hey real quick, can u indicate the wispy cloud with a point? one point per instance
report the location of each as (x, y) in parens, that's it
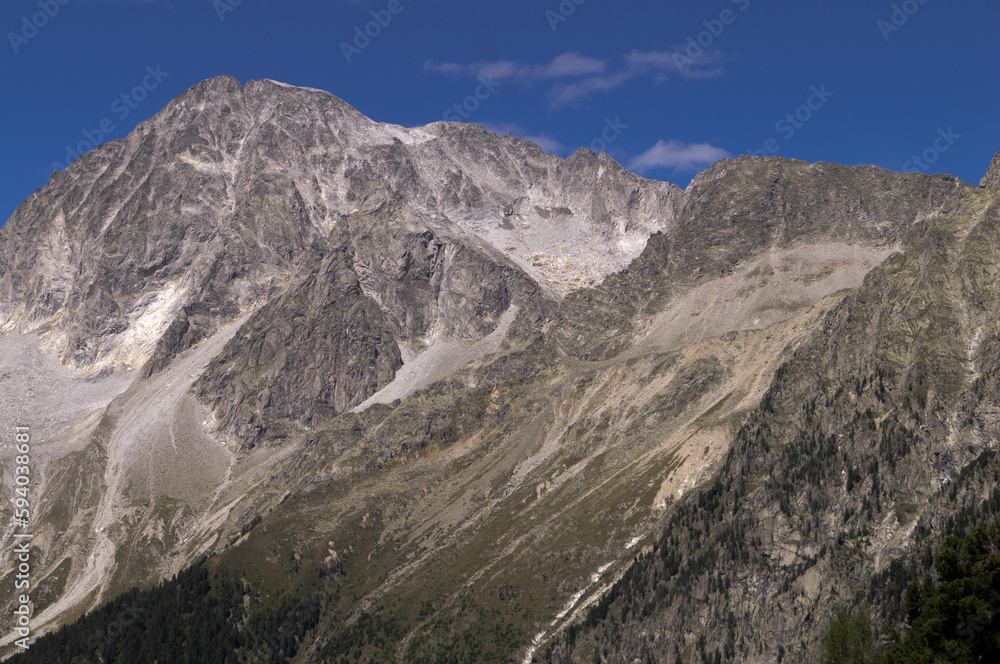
(565, 65)
(570, 93)
(576, 77)
(677, 155)
(544, 141)
(707, 65)
(635, 64)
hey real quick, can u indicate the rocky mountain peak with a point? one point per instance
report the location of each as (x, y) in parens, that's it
(391, 359)
(216, 199)
(992, 178)
(744, 167)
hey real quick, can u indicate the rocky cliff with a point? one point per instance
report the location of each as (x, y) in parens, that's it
(434, 395)
(875, 439)
(992, 178)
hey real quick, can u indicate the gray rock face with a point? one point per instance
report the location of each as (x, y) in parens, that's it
(316, 351)
(992, 178)
(872, 441)
(279, 254)
(434, 358)
(215, 199)
(742, 208)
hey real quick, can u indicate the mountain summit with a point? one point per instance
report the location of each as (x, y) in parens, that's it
(992, 178)
(220, 195)
(430, 394)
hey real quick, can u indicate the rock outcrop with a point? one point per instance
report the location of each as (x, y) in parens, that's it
(431, 394)
(992, 178)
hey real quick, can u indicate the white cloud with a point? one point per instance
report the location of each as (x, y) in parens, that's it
(678, 156)
(569, 93)
(675, 60)
(565, 65)
(658, 64)
(572, 64)
(577, 77)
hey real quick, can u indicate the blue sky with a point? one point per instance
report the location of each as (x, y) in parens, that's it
(663, 87)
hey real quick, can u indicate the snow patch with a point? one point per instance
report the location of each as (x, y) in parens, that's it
(973, 347)
(570, 605)
(212, 167)
(293, 87)
(407, 136)
(596, 576)
(152, 317)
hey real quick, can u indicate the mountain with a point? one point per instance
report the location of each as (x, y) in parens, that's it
(430, 394)
(992, 178)
(876, 438)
